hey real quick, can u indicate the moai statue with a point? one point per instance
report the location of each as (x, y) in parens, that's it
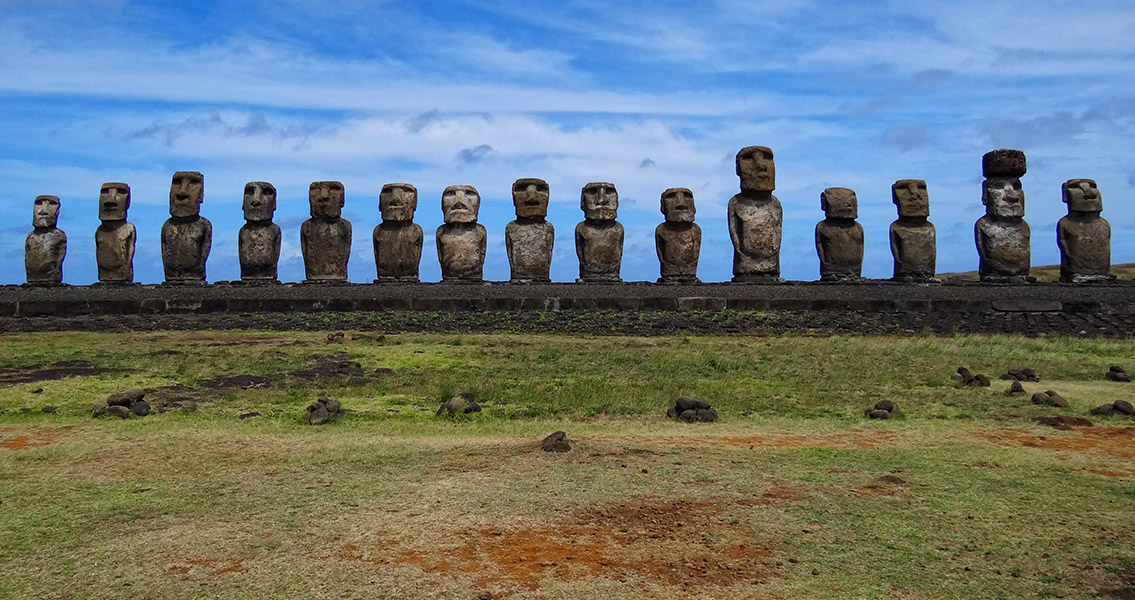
(1002, 235)
(46, 245)
(1083, 235)
(325, 238)
(397, 239)
(913, 239)
(839, 238)
(678, 239)
(599, 237)
(259, 238)
(187, 237)
(115, 237)
(461, 239)
(755, 218)
(530, 237)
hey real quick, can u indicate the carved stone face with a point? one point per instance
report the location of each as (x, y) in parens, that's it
(45, 211)
(599, 201)
(678, 205)
(398, 201)
(839, 203)
(186, 194)
(114, 200)
(326, 199)
(1082, 195)
(911, 197)
(460, 204)
(756, 169)
(259, 201)
(530, 198)
(1003, 197)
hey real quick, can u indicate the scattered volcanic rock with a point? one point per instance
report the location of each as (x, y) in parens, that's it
(690, 409)
(323, 410)
(556, 442)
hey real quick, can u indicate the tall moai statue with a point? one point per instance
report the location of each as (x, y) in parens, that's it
(397, 239)
(599, 237)
(1002, 235)
(756, 218)
(187, 237)
(325, 238)
(1083, 235)
(529, 239)
(259, 238)
(461, 239)
(913, 238)
(678, 239)
(46, 246)
(839, 238)
(115, 236)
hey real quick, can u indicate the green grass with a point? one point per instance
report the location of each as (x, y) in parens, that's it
(791, 494)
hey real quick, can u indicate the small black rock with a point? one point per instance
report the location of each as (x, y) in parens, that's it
(879, 414)
(556, 442)
(688, 416)
(707, 415)
(1124, 407)
(887, 405)
(140, 408)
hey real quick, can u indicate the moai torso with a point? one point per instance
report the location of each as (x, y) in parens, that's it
(677, 240)
(755, 218)
(529, 239)
(913, 239)
(839, 238)
(1083, 235)
(1002, 235)
(46, 246)
(186, 235)
(325, 238)
(259, 239)
(461, 240)
(115, 237)
(397, 239)
(599, 237)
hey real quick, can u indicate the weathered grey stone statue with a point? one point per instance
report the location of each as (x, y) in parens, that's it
(599, 237)
(1002, 235)
(461, 239)
(678, 239)
(187, 237)
(115, 237)
(530, 237)
(756, 218)
(259, 238)
(46, 246)
(325, 238)
(397, 239)
(839, 238)
(913, 238)
(1083, 235)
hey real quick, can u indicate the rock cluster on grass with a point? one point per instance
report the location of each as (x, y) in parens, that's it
(1119, 408)
(690, 409)
(323, 410)
(884, 409)
(124, 404)
(968, 379)
(463, 403)
(1021, 375)
(557, 442)
(1016, 389)
(1116, 373)
(1049, 398)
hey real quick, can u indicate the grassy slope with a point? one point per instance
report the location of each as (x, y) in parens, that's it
(799, 498)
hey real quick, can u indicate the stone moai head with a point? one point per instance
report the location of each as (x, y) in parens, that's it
(326, 199)
(398, 201)
(910, 196)
(114, 201)
(839, 203)
(460, 204)
(45, 212)
(186, 194)
(530, 198)
(259, 201)
(756, 169)
(678, 205)
(1003, 197)
(1082, 195)
(599, 201)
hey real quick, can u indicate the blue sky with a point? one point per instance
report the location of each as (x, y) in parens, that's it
(645, 95)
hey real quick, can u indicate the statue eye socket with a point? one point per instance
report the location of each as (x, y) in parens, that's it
(248, 191)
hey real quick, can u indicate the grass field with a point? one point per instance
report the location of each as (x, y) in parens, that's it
(792, 494)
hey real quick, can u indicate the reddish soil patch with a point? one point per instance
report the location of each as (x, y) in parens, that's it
(51, 371)
(887, 485)
(1115, 441)
(1063, 422)
(36, 437)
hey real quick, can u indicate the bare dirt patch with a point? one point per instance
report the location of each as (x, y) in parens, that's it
(12, 374)
(36, 437)
(887, 485)
(1115, 441)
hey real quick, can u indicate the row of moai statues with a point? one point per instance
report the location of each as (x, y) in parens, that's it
(755, 223)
